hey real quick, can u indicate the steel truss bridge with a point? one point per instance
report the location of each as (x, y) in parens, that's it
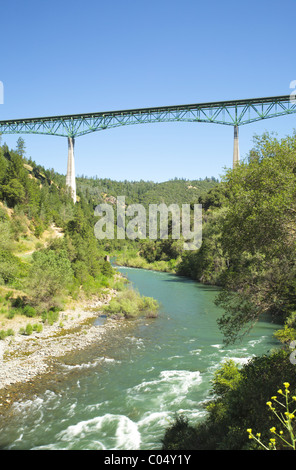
(230, 113)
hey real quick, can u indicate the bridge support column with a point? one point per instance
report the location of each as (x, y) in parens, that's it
(70, 178)
(235, 147)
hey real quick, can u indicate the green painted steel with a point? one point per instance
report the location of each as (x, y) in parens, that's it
(231, 113)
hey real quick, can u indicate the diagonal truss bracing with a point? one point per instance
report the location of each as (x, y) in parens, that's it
(231, 113)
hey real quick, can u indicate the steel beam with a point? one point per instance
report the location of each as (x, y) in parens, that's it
(231, 113)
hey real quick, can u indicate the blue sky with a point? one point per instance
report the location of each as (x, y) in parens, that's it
(63, 57)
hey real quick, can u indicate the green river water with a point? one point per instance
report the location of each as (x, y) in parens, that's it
(123, 392)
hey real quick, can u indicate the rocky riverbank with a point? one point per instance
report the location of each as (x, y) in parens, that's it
(23, 357)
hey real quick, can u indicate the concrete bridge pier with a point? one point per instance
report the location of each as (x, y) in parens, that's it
(235, 147)
(70, 178)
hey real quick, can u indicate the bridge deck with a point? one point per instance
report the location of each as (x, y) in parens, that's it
(124, 112)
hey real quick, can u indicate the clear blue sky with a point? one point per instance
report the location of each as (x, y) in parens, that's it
(63, 57)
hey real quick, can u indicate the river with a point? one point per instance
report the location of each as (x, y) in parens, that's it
(123, 393)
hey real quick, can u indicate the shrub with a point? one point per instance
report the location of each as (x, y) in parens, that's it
(226, 378)
(11, 268)
(26, 331)
(129, 304)
(29, 329)
(10, 314)
(5, 333)
(286, 335)
(93, 285)
(119, 285)
(50, 275)
(29, 311)
(8, 295)
(50, 317)
(18, 302)
(107, 269)
(150, 306)
(39, 229)
(180, 435)
(37, 327)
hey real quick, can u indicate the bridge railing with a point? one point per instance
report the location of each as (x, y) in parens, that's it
(231, 113)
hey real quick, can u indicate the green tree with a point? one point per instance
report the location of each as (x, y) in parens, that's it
(11, 268)
(49, 277)
(258, 237)
(21, 147)
(13, 192)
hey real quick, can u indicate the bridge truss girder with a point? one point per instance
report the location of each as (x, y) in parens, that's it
(230, 113)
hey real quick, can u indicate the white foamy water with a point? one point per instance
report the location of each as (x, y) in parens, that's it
(125, 432)
(126, 394)
(169, 389)
(89, 365)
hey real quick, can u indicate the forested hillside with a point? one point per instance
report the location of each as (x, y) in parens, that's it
(48, 250)
(178, 191)
(145, 253)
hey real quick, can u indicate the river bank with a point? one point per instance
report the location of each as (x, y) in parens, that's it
(123, 390)
(131, 261)
(22, 357)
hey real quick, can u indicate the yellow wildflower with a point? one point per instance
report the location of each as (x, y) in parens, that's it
(286, 384)
(272, 442)
(272, 429)
(250, 433)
